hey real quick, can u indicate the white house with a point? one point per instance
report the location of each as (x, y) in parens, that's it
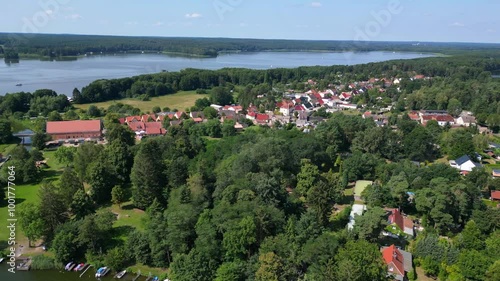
(464, 163)
(357, 209)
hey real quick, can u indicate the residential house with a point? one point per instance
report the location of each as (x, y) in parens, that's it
(496, 173)
(147, 129)
(464, 164)
(286, 107)
(399, 262)
(404, 223)
(356, 210)
(466, 120)
(78, 129)
(495, 195)
(442, 119)
(261, 119)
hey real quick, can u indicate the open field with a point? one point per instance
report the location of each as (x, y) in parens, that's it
(180, 101)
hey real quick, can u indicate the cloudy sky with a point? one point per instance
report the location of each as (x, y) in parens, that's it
(376, 20)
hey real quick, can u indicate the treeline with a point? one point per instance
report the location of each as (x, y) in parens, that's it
(41, 102)
(52, 45)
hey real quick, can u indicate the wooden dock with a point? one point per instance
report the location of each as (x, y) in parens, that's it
(24, 265)
(138, 275)
(86, 270)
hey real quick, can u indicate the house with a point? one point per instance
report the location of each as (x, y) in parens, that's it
(147, 129)
(495, 173)
(261, 119)
(398, 262)
(403, 222)
(78, 129)
(442, 119)
(466, 121)
(464, 163)
(495, 195)
(286, 107)
(357, 210)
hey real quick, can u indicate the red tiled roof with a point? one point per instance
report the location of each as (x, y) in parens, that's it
(396, 218)
(155, 131)
(495, 195)
(132, 119)
(137, 126)
(78, 126)
(152, 124)
(198, 120)
(262, 117)
(394, 259)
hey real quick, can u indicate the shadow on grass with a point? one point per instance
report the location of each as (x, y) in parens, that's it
(347, 200)
(50, 174)
(388, 241)
(129, 206)
(5, 203)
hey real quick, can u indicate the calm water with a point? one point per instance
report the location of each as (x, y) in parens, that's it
(64, 76)
(54, 275)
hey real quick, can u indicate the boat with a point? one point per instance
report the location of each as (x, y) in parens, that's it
(120, 274)
(1, 260)
(79, 267)
(101, 272)
(156, 278)
(68, 265)
(72, 266)
(19, 85)
(106, 270)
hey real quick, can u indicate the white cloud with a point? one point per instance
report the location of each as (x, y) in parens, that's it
(158, 23)
(316, 5)
(457, 24)
(74, 17)
(193, 16)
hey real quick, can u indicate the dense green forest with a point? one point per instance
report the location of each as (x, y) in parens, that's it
(258, 205)
(52, 45)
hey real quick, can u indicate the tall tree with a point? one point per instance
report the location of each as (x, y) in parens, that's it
(148, 178)
(101, 179)
(360, 260)
(69, 184)
(52, 209)
(31, 222)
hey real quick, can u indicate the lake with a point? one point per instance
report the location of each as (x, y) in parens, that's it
(56, 275)
(64, 76)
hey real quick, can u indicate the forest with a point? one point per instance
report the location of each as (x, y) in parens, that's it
(53, 45)
(259, 205)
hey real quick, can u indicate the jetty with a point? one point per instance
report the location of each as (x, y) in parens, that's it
(86, 270)
(149, 277)
(24, 265)
(138, 275)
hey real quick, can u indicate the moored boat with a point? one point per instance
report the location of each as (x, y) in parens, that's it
(1, 260)
(79, 267)
(72, 266)
(101, 271)
(120, 274)
(68, 265)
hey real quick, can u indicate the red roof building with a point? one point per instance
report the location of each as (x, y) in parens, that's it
(394, 260)
(404, 223)
(79, 129)
(495, 195)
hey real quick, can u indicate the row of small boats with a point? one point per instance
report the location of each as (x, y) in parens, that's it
(101, 272)
(73, 266)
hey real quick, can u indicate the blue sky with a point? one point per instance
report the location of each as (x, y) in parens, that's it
(376, 20)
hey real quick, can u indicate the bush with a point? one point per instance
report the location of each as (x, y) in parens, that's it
(43, 262)
(412, 275)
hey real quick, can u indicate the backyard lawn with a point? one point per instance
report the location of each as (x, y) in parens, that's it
(180, 101)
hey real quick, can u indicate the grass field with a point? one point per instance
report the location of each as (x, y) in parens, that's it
(180, 101)
(28, 193)
(360, 186)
